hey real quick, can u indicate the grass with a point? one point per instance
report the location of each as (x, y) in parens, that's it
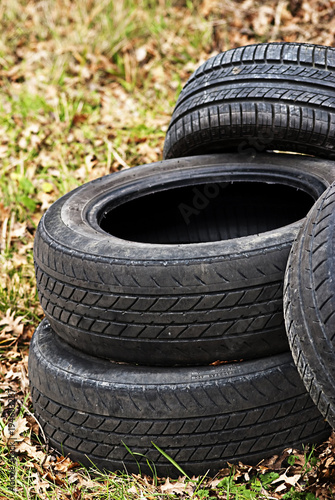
(63, 479)
(87, 88)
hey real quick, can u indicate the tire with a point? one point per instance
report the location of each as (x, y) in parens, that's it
(169, 302)
(310, 304)
(259, 97)
(202, 417)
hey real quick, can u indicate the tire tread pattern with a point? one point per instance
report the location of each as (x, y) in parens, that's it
(201, 424)
(238, 314)
(269, 96)
(309, 302)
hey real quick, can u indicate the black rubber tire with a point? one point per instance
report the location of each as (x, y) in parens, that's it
(255, 98)
(310, 304)
(174, 304)
(201, 417)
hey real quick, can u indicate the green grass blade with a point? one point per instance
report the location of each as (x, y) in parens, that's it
(170, 459)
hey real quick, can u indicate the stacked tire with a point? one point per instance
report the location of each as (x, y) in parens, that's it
(162, 285)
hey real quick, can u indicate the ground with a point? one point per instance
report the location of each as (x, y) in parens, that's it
(87, 88)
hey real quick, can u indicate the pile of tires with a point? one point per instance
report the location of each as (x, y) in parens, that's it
(162, 285)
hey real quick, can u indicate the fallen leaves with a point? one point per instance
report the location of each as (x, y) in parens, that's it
(291, 21)
(11, 324)
(64, 464)
(177, 487)
(77, 85)
(286, 482)
(12, 431)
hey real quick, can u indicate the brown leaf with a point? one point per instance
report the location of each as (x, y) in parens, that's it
(11, 324)
(176, 487)
(79, 118)
(64, 464)
(41, 486)
(22, 371)
(13, 430)
(286, 481)
(31, 450)
(46, 200)
(32, 423)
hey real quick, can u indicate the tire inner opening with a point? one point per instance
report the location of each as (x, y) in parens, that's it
(206, 212)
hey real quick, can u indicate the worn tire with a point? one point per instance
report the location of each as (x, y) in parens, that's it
(172, 303)
(256, 98)
(310, 304)
(202, 417)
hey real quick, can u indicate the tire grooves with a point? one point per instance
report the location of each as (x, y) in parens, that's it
(309, 79)
(210, 433)
(271, 83)
(310, 288)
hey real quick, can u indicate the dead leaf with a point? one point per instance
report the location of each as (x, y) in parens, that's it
(10, 375)
(176, 487)
(286, 481)
(64, 464)
(46, 200)
(13, 430)
(26, 447)
(11, 324)
(141, 54)
(79, 118)
(22, 371)
(41, 486)
(33, 424)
